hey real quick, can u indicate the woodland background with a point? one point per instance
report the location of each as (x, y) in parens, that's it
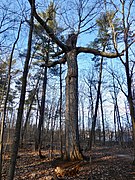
(35, 58)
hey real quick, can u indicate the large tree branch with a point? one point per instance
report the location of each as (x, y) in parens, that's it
(57, 54)
(99, 53)
(66, 48)
(54, 63)
(48, 29)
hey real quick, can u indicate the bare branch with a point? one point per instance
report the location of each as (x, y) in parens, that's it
(57, 53)
(64, 47)
(115, 6)
(132, 69)
(115, 76)
(99, 53)
(54, 63)
(129, 11)
(48, 29)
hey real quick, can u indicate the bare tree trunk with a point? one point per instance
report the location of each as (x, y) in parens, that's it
(21, 105)
(61, 144)
(52, 136)
(53, 125)
(6, 100)
(41, 118)
(120, 130)
(129, 97)
(83, 126)
(91, 106)
(128, 123)
(103, 122)
(115, 125)
(132, 114)
(129, 73)
(96, 106)
(28, 113)
(36, 129)
(42, 108)
(72, 132)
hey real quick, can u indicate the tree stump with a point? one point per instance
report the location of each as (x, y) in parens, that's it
(67, 171)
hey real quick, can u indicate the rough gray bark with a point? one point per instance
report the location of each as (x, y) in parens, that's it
(72, 132)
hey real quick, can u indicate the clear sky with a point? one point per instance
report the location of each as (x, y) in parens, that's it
(84, 60)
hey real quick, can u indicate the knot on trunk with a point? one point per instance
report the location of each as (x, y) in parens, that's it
(72, 40)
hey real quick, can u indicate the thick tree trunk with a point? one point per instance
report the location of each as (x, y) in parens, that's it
(72, 132)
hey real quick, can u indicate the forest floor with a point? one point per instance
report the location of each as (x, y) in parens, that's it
(107, 163)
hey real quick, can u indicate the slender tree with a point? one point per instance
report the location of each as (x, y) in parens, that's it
(3, 83)
(102, 41)
(31, 99)
(15, 145)
(125, 10)
(42, 108)
(103, 121)
(97, 104)
(6, 99)
(60, 112)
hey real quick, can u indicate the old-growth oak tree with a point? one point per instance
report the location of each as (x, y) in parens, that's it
(70, 52)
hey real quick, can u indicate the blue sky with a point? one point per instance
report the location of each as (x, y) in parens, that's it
(84, 60)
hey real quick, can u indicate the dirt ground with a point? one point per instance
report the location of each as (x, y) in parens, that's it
(106, 163)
